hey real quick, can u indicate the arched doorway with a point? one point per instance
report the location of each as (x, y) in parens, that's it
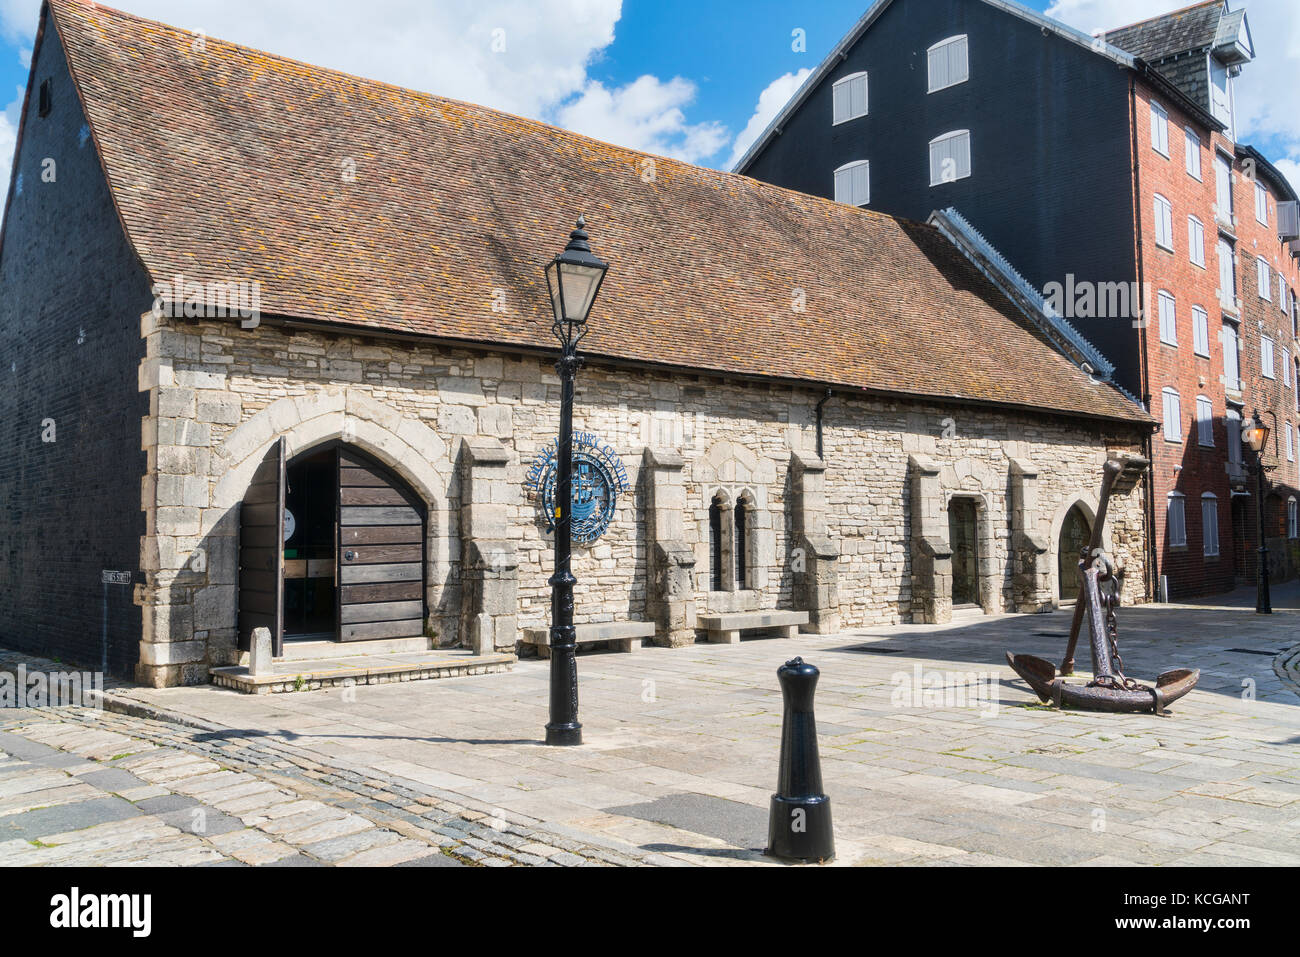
(963, 536)
(1076, 535)
(351, 550)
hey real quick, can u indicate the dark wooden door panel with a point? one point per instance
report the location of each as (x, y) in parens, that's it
(350, 516)
(261, 551)
(381, 554)
(383, 535)
(371, 496)
(383, 629)
(350, 477)
(383, 611)
(393, 591)
(375, 574)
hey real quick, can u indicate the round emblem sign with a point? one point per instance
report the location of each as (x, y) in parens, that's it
(290, 525)
(598, 480)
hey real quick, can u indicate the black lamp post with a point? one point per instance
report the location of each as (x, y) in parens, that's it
(1255, 436)
(574, 278)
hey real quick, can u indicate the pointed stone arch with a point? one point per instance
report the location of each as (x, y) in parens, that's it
(1088, 504)
(413, 451)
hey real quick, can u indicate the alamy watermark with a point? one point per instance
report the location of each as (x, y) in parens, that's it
(190, 299)
(923, 688)
(60, 689)
(1074, 299)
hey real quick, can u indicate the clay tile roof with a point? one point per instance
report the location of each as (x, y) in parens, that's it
(226, 164)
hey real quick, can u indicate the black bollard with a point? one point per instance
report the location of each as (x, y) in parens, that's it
(799, 828)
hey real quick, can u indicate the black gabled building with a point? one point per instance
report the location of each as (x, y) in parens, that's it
(1021, 123)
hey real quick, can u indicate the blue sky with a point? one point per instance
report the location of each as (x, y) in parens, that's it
(696, 80)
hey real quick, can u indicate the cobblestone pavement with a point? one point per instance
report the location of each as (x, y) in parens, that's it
(681, 750)
(83, 787)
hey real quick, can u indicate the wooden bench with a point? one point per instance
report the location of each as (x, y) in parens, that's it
(623, 636)
(725, 629)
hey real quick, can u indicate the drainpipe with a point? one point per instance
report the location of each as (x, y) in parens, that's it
(1148, 443)
(821, 406)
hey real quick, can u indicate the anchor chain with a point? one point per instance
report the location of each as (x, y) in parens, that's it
(1111, 582)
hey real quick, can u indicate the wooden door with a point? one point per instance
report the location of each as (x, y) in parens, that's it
(261, 552)
(963, 536)
(1076, 535)
(381, 553)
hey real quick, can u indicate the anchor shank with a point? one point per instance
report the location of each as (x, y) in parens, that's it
(1110, 473)
(1103, 665)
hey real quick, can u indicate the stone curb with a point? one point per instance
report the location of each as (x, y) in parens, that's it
(1287, 668)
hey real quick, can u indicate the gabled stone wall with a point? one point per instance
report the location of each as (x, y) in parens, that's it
(221, 394)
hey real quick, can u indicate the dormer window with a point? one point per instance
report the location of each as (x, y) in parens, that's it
(949, 63)
(850, 96)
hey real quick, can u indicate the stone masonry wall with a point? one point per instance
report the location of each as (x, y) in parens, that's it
(221, 393)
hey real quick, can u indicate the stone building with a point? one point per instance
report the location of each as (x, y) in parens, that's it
(291, 332)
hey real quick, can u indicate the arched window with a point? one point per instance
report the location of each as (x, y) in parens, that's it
(742, 546)
(715, 544)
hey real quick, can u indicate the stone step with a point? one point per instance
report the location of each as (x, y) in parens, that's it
(310, 650)
(350, 670)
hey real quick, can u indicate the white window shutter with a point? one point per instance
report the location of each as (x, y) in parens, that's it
(850, 98)
(1204, 421)
(1200, 331)
(949, 63)
(1210, 526)
(853, 184)
(1173, 414)
(1177, 524)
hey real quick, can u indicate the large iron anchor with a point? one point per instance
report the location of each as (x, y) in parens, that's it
(1110, 689)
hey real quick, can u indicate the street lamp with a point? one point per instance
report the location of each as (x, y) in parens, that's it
(574, 279)
(1255, 438)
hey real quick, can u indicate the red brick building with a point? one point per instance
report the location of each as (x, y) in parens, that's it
(1268, 271)
(1217, 259)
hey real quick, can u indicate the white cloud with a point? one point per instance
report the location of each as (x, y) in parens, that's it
(646, 115)
(521, 56)
(1290, 168)
(770, 102)
(19, 18)
(8, 139)
(528, 57)
(1268, 97)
